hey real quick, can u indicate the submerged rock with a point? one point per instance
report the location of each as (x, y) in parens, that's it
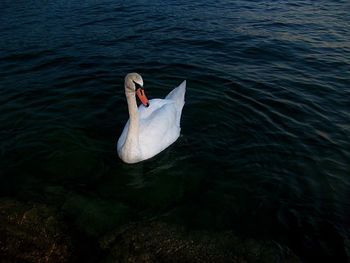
(159, 242)
(31, 233)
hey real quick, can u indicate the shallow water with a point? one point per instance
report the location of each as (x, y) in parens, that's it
(264, 149)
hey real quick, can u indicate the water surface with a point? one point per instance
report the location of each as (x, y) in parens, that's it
(265, 143)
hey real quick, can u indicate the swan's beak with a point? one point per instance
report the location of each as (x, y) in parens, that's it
(142, 96)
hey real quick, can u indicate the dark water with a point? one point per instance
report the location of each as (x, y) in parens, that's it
(265, 144)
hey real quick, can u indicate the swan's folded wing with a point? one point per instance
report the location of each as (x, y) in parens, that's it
(178, 94)
(159, 129)
(154, 105)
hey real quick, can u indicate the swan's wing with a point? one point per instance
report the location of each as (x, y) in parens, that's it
(159, 129)
(154, 105)
(144, 116)
(178, 95)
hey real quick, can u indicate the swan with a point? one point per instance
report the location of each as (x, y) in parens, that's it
(152, 126)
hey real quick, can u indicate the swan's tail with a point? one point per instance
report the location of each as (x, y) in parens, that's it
(178, 95)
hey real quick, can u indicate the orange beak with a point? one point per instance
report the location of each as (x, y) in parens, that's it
(142, 96)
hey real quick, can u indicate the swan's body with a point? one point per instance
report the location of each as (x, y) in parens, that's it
(150, 129)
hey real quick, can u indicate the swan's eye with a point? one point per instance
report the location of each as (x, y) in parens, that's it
(137, 86)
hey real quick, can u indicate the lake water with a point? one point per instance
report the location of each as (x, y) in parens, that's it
(264, 149)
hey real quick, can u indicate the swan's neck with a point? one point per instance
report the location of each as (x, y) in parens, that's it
(131, 148)
(133, 116)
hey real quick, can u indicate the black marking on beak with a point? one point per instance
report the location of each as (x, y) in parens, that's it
(137, 85)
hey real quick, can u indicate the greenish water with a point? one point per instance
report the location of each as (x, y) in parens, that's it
(264, 149)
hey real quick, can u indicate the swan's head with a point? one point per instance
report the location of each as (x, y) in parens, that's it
(134, 84)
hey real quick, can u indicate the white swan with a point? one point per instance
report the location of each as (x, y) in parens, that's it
(153, 126)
